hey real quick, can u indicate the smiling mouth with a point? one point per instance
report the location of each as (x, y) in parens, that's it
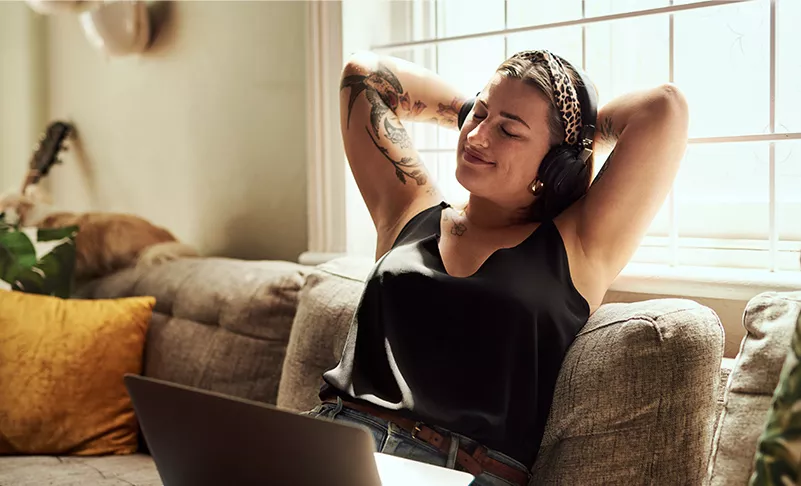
(474, 158)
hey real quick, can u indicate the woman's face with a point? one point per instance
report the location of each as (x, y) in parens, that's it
(503, 141)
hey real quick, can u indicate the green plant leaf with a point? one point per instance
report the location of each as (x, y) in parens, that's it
(52, 234)
(20, 246)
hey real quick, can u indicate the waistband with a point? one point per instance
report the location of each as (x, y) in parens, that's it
(472, 459)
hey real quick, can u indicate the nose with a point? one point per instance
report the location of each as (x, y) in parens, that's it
(479, 135)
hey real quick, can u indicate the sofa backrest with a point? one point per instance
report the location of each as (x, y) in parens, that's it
(219, 324)
(325, 310)
(769, 319)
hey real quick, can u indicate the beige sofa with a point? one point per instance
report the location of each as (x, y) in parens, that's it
(638, 400)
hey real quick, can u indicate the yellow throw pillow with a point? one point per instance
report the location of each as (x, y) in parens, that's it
(62, 363)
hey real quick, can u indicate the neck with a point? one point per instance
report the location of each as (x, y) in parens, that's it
(486, 214)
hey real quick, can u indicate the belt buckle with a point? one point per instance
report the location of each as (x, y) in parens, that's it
(416, 429)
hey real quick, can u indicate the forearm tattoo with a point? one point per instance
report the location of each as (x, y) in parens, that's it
(449, 113)
(385, 95)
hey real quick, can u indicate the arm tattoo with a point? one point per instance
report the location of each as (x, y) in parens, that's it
(607, 130)
(356, 85)
(377, 109)
(380, 84)
(398, 136)
(605, 166)
(413, 109)
(449, 113)
(407, 163)
(384, 93)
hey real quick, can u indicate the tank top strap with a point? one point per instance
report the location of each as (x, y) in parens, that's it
(422, 225)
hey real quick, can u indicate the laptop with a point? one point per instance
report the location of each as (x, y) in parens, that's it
(198, 438)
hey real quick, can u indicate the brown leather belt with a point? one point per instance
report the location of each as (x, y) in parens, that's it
(475, 462)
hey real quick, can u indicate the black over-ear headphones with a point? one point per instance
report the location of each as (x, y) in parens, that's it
(565, 167)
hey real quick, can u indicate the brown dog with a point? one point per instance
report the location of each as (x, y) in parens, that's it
(106, 242)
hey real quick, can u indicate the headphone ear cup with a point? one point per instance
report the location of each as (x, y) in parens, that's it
(557, 166)
(564, 174)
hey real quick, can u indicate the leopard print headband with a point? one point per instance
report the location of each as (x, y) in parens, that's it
(564, 91)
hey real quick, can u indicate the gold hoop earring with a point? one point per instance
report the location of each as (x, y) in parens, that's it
(536, 187)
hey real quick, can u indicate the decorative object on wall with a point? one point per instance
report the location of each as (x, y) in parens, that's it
(115, 27)
(50, 7)
(118, 28)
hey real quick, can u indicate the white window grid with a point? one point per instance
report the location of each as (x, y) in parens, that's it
(424, 19)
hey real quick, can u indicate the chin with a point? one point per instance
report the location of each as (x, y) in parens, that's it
(471, 179)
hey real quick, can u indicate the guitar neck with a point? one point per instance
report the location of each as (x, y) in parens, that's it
(32, 177)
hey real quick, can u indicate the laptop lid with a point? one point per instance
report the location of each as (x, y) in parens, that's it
(198, 438)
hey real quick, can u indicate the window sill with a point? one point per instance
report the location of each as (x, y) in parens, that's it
(706, 282)
(645, 278)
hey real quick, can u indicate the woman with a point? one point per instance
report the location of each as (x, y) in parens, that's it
(454, 350)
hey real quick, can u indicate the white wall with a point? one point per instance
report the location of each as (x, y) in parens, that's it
(22, 89)
(204, 135)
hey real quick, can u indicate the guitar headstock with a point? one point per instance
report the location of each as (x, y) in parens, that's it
(47, 150)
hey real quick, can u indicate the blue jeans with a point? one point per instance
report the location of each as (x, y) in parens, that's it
(391, 439)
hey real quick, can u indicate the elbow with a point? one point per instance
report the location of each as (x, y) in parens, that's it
(671, 103)
(359, 63)
(666, 112)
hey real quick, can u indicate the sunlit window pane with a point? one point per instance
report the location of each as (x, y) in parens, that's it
(462, 17)
(628, 55)
(721, 65)
(564, 41)
(595, 8)
(788, 190)
(788, 66)
(723, 191)
(522, 13)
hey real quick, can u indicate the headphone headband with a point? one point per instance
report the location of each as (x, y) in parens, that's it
(576, 103)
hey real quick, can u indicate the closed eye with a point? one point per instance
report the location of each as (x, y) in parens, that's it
(503, 130)
(511, 135)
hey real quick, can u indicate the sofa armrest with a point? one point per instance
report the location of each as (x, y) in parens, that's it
(636, 397)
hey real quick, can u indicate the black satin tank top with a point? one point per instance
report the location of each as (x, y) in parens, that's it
(477, 355)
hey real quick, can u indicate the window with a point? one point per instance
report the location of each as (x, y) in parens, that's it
(736, 202)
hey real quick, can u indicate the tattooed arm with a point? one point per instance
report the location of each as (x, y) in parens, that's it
(376, 94)
(411, 91)
(648, 130)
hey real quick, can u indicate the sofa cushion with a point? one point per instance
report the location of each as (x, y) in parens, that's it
(62, 364)
(325, 310)
(769, 321)
(219, 324)
(778, 457)
(130, 470)
(636, 397)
